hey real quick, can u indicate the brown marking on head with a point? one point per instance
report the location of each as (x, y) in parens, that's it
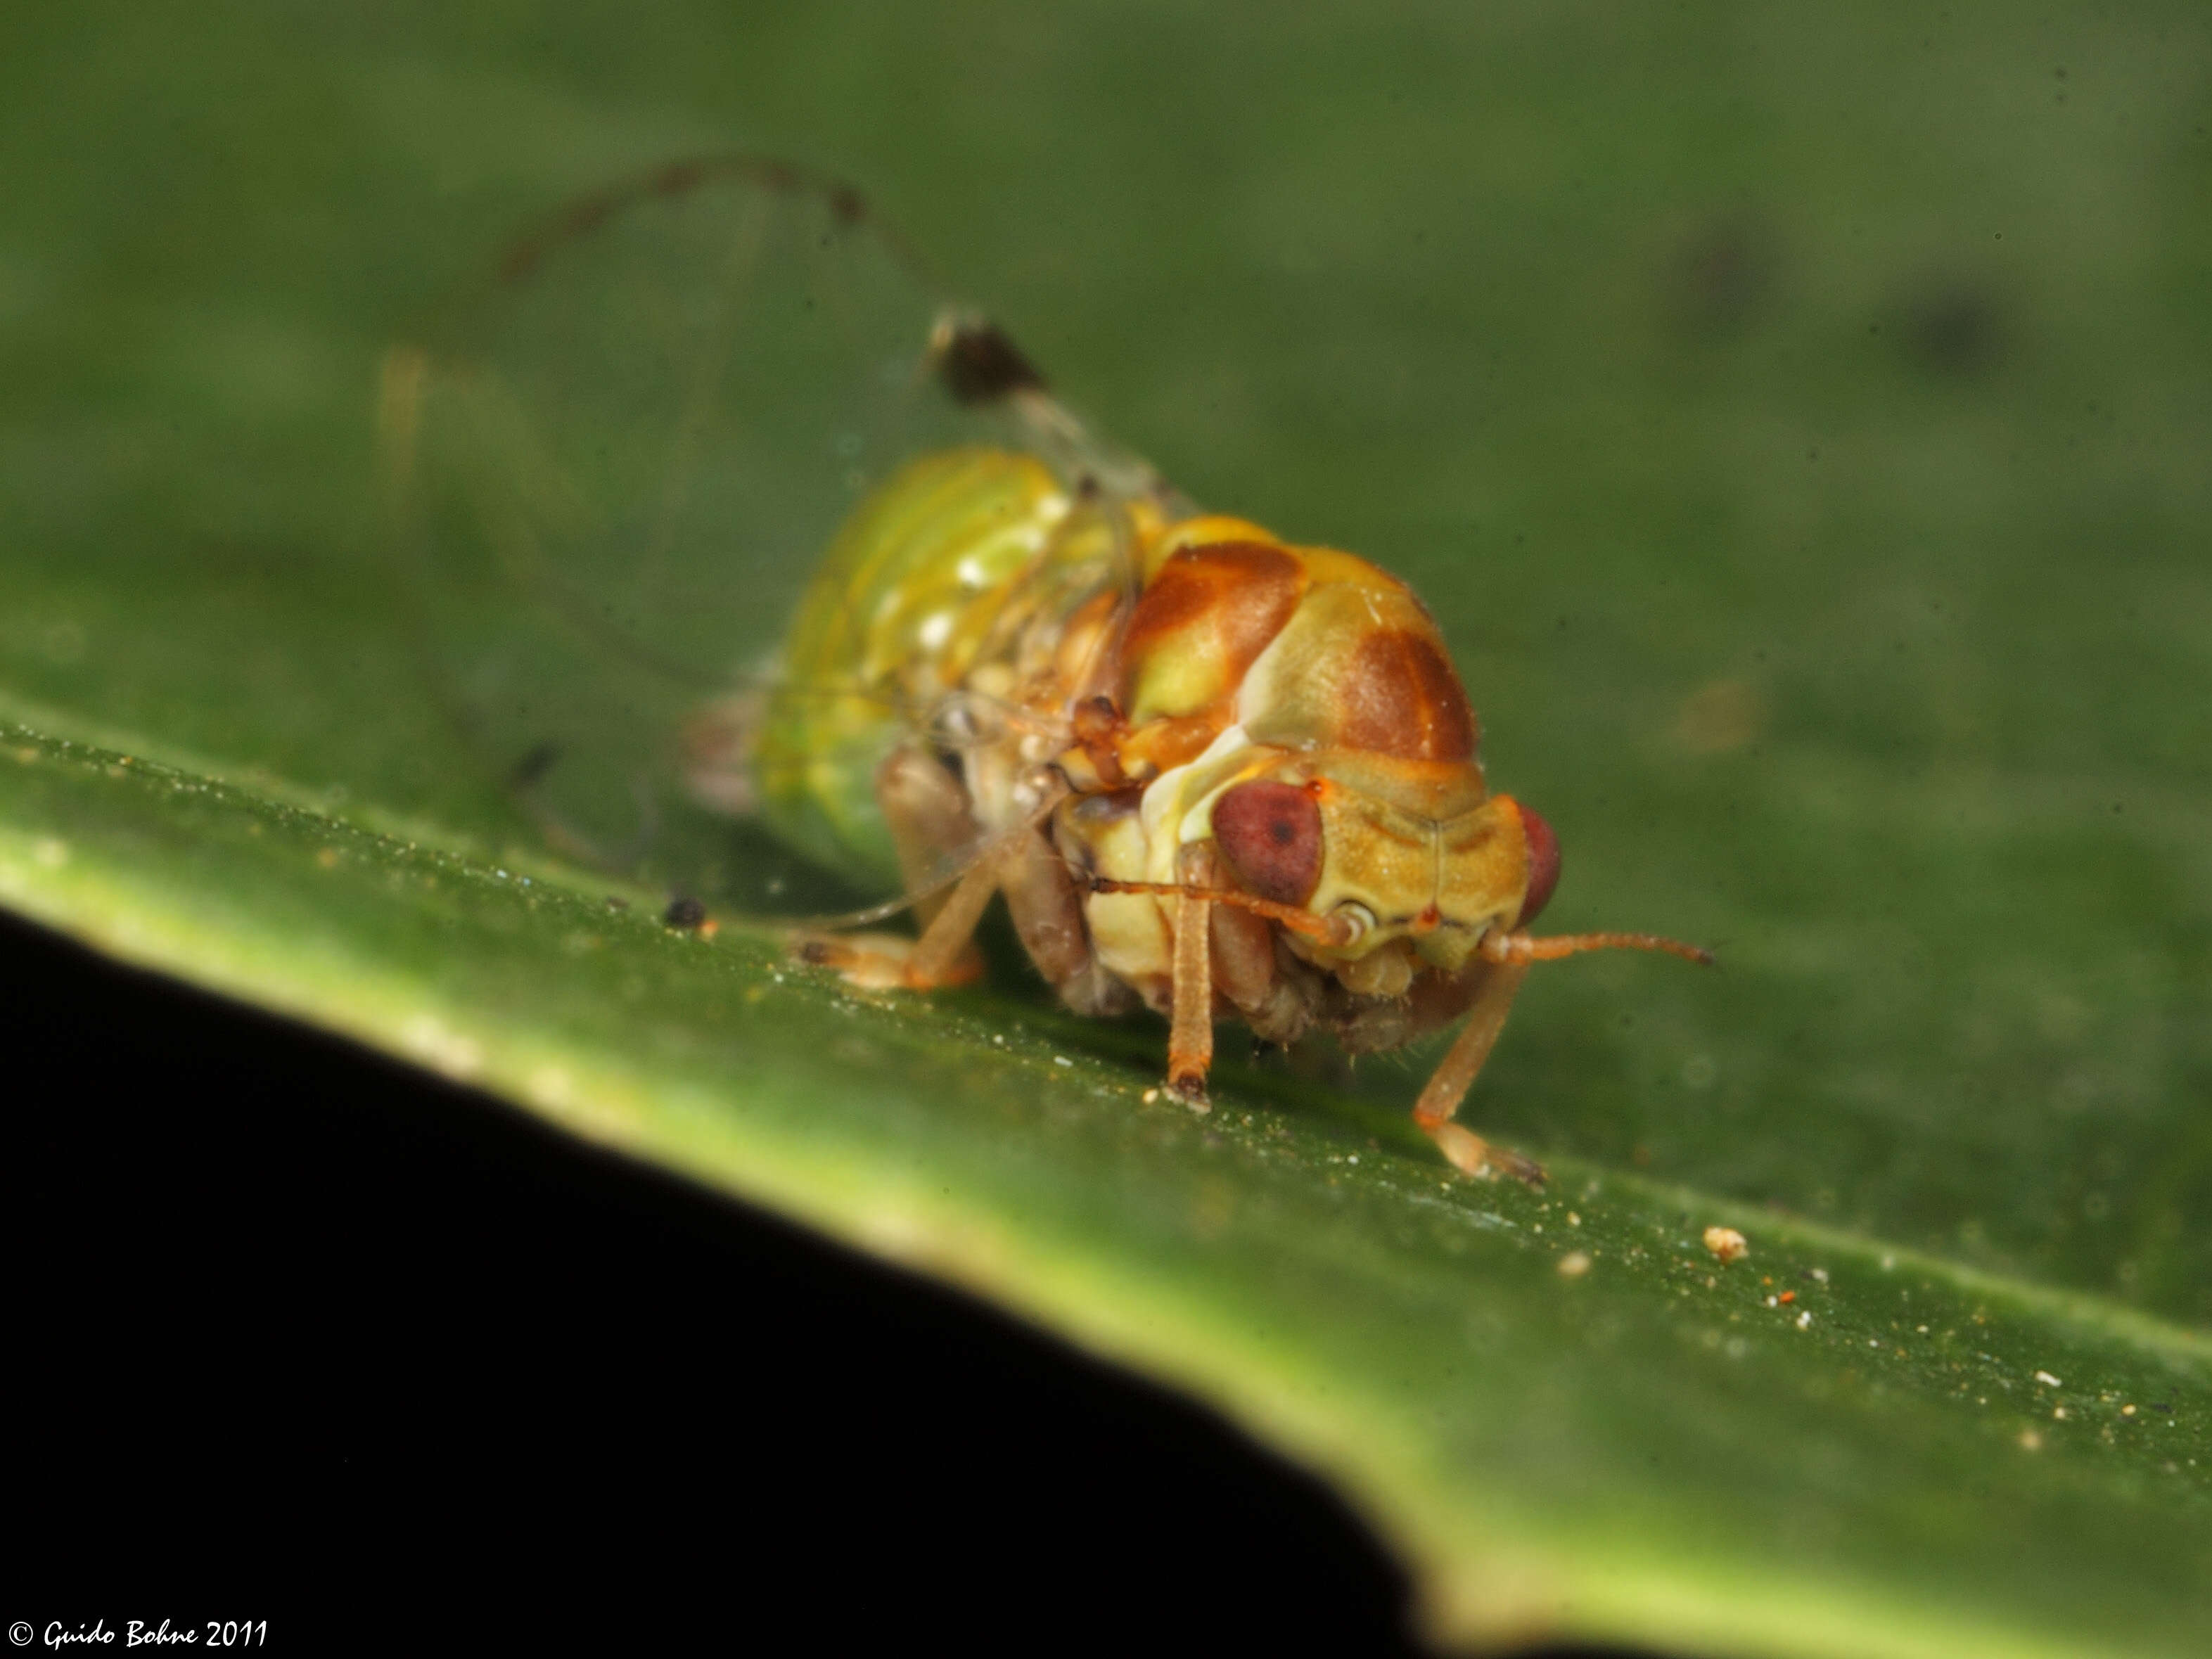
(1402, 699)
(1208, 613)
(1270, 837)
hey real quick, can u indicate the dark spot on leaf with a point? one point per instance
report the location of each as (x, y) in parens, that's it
(1722, 277)
(1951, 326)
(531, 768)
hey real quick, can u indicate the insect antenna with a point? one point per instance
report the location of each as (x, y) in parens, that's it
(1328, 929)
(1528, 947)
(947, 878)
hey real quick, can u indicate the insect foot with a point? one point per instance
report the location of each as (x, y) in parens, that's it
(1471, 1154)
(1189, 1088)
(883, 962)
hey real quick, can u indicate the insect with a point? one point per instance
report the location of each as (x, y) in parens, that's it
(753, 565)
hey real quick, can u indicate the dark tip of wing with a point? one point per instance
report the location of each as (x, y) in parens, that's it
(981, 365)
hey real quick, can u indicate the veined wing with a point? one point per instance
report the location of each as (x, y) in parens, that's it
(618, 466)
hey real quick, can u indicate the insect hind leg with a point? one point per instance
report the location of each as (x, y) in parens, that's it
(926, 808)
(945, 954)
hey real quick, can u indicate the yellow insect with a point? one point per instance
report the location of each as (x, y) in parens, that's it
(756, 567)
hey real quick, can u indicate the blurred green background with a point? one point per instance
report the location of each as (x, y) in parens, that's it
(1799, 420)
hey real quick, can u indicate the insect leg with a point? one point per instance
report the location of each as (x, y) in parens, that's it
(926, 809)
(1190, 1037)
(1240, 946)
(945, 954)
(1046, 903)
(1455, 1074)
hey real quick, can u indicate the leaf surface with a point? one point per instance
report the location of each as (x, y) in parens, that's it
(1797, 430)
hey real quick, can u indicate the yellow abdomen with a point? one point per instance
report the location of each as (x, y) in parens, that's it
(910, 600)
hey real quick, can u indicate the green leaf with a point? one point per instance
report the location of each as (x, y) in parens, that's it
(1799, 429)
(1562, 1409)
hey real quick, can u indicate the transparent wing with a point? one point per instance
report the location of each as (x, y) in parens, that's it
(617, 466)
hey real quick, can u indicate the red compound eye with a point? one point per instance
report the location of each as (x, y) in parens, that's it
(1270, 836)
(1543, 865)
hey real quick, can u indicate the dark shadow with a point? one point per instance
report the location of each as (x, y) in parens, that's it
(305, 1335)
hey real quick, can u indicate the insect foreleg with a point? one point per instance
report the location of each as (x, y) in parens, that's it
(1240, 949)
(1045, 901)
(1455, 1074)
(1190, 1037)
